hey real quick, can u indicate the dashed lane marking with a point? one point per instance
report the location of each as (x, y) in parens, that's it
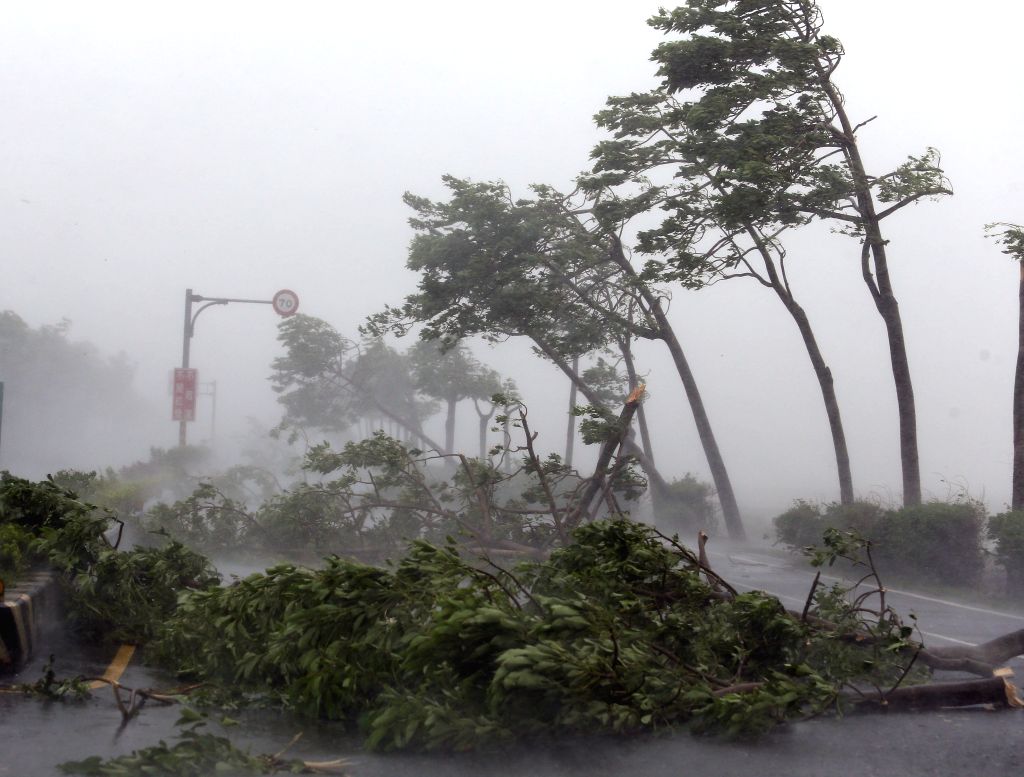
(801, 602)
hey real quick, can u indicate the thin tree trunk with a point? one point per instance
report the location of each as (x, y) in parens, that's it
(780, 286)
(641, 415)
(570, 432)
(449, 427)
(719, 474)
(1017, 500)
(484, 419)
(828, 395)
(880, 286)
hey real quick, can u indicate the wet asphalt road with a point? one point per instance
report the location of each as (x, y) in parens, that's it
(35, 736)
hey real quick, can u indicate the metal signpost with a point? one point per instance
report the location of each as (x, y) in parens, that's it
(186, 384)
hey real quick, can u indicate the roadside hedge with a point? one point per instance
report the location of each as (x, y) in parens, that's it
(933, 543)
(1007, 530)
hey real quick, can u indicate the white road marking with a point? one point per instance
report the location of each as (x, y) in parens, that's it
(801, 602)
(901, 592)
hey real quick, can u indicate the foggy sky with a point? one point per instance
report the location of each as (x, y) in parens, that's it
(238, 148)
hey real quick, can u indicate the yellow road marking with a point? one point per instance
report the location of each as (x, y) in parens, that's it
(117, 666)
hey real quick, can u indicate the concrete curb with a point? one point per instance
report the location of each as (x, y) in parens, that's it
(22, 610)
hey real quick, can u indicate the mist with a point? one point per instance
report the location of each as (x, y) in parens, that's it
(244, 148)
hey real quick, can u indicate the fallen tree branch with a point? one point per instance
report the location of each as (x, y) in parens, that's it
(976, 659)
(996, 690)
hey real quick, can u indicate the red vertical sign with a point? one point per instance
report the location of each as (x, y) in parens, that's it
(184, 395)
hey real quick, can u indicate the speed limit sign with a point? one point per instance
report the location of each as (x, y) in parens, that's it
(286, 303)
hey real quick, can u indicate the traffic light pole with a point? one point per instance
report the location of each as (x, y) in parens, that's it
(279, 302)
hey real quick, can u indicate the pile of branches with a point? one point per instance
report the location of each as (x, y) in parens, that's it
(624, 630)
(371, 497)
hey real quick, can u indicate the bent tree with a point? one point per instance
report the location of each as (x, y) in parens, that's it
(758, 78)
(492, 266)
(1011, 238)
(702, 240)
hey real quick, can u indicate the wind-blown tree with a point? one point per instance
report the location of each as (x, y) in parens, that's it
(327, 381)
(496, 267)
(1011, 238)
(768, 130)
(702, 240)
(451, 375)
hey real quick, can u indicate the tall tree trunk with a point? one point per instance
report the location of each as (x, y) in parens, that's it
(641, 415)
(828, 394)
(821, 371)
(1017, 499)
(719, 474)
(880, 286)
(449, 426)
(484, 419)
(570, 431)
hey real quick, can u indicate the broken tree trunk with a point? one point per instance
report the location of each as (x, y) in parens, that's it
(996, 690)
(976, 659)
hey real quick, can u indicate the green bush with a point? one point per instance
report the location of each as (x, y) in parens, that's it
(801, 525)
(689, 507)
(937, 542)
(805, 522)
(1007, 530)
(15, 552)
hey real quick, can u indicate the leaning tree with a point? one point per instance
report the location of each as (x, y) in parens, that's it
(769, 131)
(496, 267)
(1011, 238)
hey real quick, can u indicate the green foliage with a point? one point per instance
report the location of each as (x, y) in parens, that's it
(1010, 237)
(196, 754)
(15, 552)
(616, 632)
(804, 523)
(691, 506)
(53, 688)
(110, 594)
(371, 497)
(934, 543)
(1007, 530)
(120, 596)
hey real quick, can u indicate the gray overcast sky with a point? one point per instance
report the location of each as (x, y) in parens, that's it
(238, 148)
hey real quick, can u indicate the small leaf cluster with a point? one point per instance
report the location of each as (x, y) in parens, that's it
(196, 754)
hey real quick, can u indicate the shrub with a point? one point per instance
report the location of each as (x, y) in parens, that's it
(936, 542)
(690, 506)
(1007, 530)
(801, 525)
(805, 522)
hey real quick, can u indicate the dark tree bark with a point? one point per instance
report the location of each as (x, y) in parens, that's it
(780, 285)
(641, 416)
(570, 431)
(449, 426)
(719, 473)
(1017, 499)
(875, 271)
